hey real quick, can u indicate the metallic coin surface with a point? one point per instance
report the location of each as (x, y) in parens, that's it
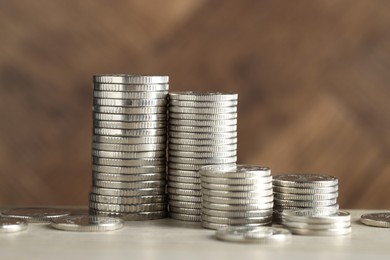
(216, 226)
(185, 192)
(36, 215)
(381, 219)
(128, 169)
(183, 179)
(235, 171)
(236, 221)
(305, 180)
(129, 162)
(184, 204)
(336, 225)
(187, 211)
(238, 194)
(129, 125)
(129, 184)
(145, 215)
(237, 181)
(203, 155)
(129, 118)
(236, 207)
(203, 129)
(135, 140)
(202, 96)
(87, 223)
(238, 201)
(246, 234)
(130, 87)
(212, 135)
(129, 110)
(237, 214)
(183, 185)
(128, 147)
(327, 232)
(312, 197)
(202, 142)
(130, 95)
(296, 216)
(130, 79)
(10, 225)
(128, 192)
(129, 208)
(305, 190)
(130, 132)
(126, 200)
(305, 203)
(129, 102)
(227, 187)
(128, 155)
(207, 117)
(128, 177)
(200, 123)
(181, 103)
(185, 217)
(203, 161)
(183, 173)
(203, 110)
(202, 148)
(185, 198)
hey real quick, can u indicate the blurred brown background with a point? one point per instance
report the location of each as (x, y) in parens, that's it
(312, 76)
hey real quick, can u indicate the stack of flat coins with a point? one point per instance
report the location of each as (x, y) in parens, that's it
(129, 146)
(236, 195)
(308, 222)
(202, 131)
(305, 191)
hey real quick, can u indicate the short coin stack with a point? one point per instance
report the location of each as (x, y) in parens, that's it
(202, 131)
(236, 195)
(129, 146)
(305, 191)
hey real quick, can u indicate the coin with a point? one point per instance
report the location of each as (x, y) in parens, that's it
(202, 96)
(236, 221)
(381, 219)
(305, 203)
(138, 140)
(129, 125)
(129, 110)
(202, 148)
(129, 184)
(253, 234)
(10, 225)
(203, 110)
(203, 129)
(128, 155)
(287, 196)
(130, 102)
(234, 171)
(128, 177)
(200, 123)
(201, 161)
(296, 216)
(130, 79)
(185, 217)
(183, 179)
(87, 223)
(181, 103)
(183, 185)
(183, 173)
(130, 208)
(336, 225)
(128, 169)
(305, 180)
(187, 211)
(129, 132)
(128, 147)
(129, 118)
(128, 192)
(237, 214)
(208, 117)
(185, 204)
(130, 87)
(185, 192)
(126, 200)
(227, 187)
(240, 201)
(236, 207)
(211, 225)
(145, 215)
(238, 194)
(237, 181)
(185, 198)
(327, 232)
(202, 142)
(36, 215)
(183, 166)
(129, 162)
(212, 135)
(324, 190)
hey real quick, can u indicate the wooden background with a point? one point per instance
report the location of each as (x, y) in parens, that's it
(312, 76)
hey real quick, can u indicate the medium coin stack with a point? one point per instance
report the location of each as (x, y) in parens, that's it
(305, 191)
(202, 131)
(129, 146)
(236, 195)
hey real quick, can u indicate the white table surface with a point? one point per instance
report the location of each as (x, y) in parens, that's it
(172, 239)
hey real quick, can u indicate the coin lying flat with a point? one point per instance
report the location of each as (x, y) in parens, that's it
(133, 140)
(247, 234)
(211, 123)
(196, 104)
(295, 216)
(36, 215)
(129, 125)
(129, 102)
(128, 192)
(236, 221)
(211, 225)
(126, 200)
(381, 219)
(145, 215)
(128, 170)
(130, 87)
(130, 79)
(305, 180)
(87, 223)
(130, 95)
(10, 225)
(202, 96)
(129, 117)
(185, 217)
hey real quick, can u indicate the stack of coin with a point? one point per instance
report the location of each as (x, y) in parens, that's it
(202, 131)
(308, 222)
(305, 191)
(129, 146)
(236, 195)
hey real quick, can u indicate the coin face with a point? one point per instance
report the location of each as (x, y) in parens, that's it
(247, 234)
(130, 79)
(381, 219)
(202, 96)
(9, 225)
(36, 214)
(85, 223)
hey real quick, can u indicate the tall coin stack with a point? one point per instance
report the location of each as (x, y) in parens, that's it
(129, 146)
(202, 131)
(236, 195)
(315, 192)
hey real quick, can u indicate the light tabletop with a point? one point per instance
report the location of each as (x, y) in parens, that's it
(172, 239)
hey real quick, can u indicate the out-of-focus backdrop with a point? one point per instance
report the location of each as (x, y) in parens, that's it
(313, 79)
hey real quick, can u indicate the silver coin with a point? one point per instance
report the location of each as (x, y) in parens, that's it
(220, 160)
(183, 166)
(237, 214)
(129, 118)
(127, 208)
(315, 211)
(184, 198)
(328, 232)
(184, 204)
(128, 177)
(183, 179)
(130, 79)
(128, 155)
(10, 225)
(183, 173)
(129, 110)
(130, 87)
(203, 129)
(296, 216)
(202, 142)
(305, 203)
(126, 200)
(130, 102)
(187, 211)
(324, 190)
(185, 192)
(183, 185)
(233, 171)
(234, 207)
(130, 95)
(212, 135)
(202, 148)
(129, 184)
(128, 147)
(336, 225)
(129, 132)
(129, 162)
(253, 234)
(238, 194)
(287, 196)
(203, 110)
(381, 219)
(181, 103)
(132, 216)
(238, 201)
(36, 215)
(216, 226)
(203, 96)
(237, 181)
(236, 221)
(305, 180)
(202, 123)
(203, 155)
(130, 125)
(138, 140)
(208, 117)
(128, 170)
(185, 217)
(128, 192)
(227, 187)
(87, 223)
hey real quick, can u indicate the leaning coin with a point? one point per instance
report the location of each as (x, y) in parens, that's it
(202, 148)
(128, 192)
(129, 125)
(208, 117)
(327, 232)
(130, 132)
(126, 200)
(253, 234)
(129, 110)
(87, 223)
(130, 95)
(128, 147)
(210, 123)
(36, 215)
(305, 180)
(10, 225)
(202, 96)
(130, 87)
(283, 189)
(185, 217)
(181, 103)
(381, 219)
(130, 79)
(146, 215)
(129, 118)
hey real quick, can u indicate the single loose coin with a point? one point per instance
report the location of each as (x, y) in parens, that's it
(10, 225)
(247, 234)
(130, 87)
(381, 219)
(130, 79)
(36, 215)
(305, 180)
(87, 223)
